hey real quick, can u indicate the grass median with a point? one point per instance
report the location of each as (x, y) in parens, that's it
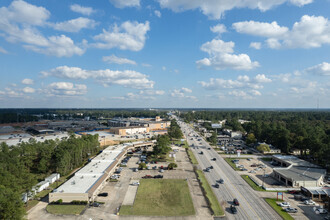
(213, 201)
(278, 209)
(164, 197)
(65, 209)
(192, 157)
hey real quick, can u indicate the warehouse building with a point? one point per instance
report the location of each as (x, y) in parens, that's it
(153, 124)
(89, 180)
(129, 130)
(295, 172)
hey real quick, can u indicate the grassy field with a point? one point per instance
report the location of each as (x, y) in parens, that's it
(215, 206)
(229, 161)
(161, 197)
(192, 157)
(251, 183)
(278, 209)
(65, 209)
(30, 204)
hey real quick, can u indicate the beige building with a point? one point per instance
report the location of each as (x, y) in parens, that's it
(90, 180)
(129, 130)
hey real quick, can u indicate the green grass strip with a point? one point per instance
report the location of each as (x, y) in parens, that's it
(278, 209)
(192, 157)
(213, 201)
(251, 183)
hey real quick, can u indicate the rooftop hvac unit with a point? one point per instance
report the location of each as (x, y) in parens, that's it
(94, 176)
(73, 182)
(91, 171)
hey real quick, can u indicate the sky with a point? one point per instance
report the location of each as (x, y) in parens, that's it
(165, 54)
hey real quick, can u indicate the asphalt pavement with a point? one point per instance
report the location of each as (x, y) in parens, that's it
(251, 205)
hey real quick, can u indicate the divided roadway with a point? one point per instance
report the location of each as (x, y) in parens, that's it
(251, 206)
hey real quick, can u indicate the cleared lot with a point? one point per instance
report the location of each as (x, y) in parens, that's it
(166, 197)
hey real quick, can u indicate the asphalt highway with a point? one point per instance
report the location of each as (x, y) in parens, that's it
(251, 205)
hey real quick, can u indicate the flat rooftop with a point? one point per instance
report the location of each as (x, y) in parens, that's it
(78, 184)
(299, 173)
(295, 161)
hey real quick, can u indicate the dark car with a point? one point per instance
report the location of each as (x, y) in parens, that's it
(96, 204)
(207, 170)
(216, 185)
(221, 181)
(211, 167)
(147, 177)
(158, 176)
(209, 148)
(291, 210)
(233, 209)
(201, 152)
(103, 194)
(235, 201)
(214, 159)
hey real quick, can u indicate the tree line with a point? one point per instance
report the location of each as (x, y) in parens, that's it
(308, 131)
(23, 165)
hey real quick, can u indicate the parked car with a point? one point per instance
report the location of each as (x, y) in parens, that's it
(147, 177)
(321, 211)
(96, 204)
(135, 169)
(105, 194)
(135, 183)
(284, 204)
(161, 170)
(233, 209)
(291, 210)
(309, 202)
(235, 201)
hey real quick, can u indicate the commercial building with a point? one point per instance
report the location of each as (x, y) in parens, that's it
(156, 124)
(295, 172)
(52, 178)
(89, 180)
(129, 130)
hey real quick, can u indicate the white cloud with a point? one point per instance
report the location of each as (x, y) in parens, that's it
(107, 77)
(221, 56)
(215, 9)
(242, 82)
(261, 78)
(118, 60)
(142, 95)
(65, 89)
(27, 81)
(3, 50)
(260, 28)
(29, 90)
(146, 65)
(128, 36)
(74, 25)
(19, 25)
(186, 90)
(322, 69)
(157, 13)
(181, 93)
(219, 29)
(125, 3)
(163, 68)
(152, 92)
(309, 32)
(60, 46)
(82, 10)
(255, 45)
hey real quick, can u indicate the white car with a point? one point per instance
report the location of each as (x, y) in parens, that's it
(284, 204)
(135, 183)
(321, 211)
(309, 202)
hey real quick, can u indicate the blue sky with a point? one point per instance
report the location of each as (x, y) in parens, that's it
(165, 53)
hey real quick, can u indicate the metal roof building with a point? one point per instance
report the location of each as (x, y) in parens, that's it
(296, 172)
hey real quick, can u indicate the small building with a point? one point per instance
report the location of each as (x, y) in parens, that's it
(40, 186)
(295, 172)
(52, 178)
(129, 130)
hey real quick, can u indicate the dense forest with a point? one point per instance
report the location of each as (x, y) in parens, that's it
(308, 131)
(24, 165)
(27, 115)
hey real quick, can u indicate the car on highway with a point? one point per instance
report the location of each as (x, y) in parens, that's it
(284, 204)
(291, 210)
(158, 177)
(211, 167)
(233, 209)
(201, 152)
(221, 181)
(216, 185)
(309, 202)
(214, 159)
(209, 148)
(235, 201)
(207, 169)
